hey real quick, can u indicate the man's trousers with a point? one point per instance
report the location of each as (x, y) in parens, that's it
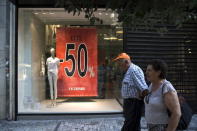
(132, 109)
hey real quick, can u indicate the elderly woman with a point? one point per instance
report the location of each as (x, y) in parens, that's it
(162, 96)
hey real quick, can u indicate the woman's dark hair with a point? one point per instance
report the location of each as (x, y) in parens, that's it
(160, 65)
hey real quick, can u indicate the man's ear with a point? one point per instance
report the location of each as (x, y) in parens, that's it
(159, 73)
(126, 62)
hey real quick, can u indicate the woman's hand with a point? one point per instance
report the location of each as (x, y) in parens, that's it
(144, 93)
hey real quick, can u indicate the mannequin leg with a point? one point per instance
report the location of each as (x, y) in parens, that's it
(50, 78)
(51, 83)
(54, 89)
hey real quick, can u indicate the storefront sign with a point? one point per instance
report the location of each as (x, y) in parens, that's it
(77, 50)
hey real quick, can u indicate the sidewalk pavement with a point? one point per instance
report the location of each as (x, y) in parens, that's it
(91, 124)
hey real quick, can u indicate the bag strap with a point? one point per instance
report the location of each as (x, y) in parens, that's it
(180, 98)
(164, 84)
(162, 88)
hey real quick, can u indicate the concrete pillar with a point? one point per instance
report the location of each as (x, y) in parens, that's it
(3, 53)
(6, 39)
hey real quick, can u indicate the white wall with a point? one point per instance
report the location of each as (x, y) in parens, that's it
(38, 52)
(31, 44)
(24, 58)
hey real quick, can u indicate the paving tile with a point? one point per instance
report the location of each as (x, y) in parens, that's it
(96, 124)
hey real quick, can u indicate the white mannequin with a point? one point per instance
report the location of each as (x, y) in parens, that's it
(53, 65)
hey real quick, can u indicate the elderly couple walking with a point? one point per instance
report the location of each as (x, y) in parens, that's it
(158, 97)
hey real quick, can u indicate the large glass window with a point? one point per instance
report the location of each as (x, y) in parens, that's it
(65, 65)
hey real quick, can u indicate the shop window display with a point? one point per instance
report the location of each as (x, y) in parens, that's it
(84, 78)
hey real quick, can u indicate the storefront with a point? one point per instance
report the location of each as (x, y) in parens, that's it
(88, 82)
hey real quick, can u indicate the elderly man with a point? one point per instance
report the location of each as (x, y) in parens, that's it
(134, 88)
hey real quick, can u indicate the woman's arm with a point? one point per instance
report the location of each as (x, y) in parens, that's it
(172, 103)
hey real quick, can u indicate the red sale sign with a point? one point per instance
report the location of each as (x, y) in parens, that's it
(77, 50)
